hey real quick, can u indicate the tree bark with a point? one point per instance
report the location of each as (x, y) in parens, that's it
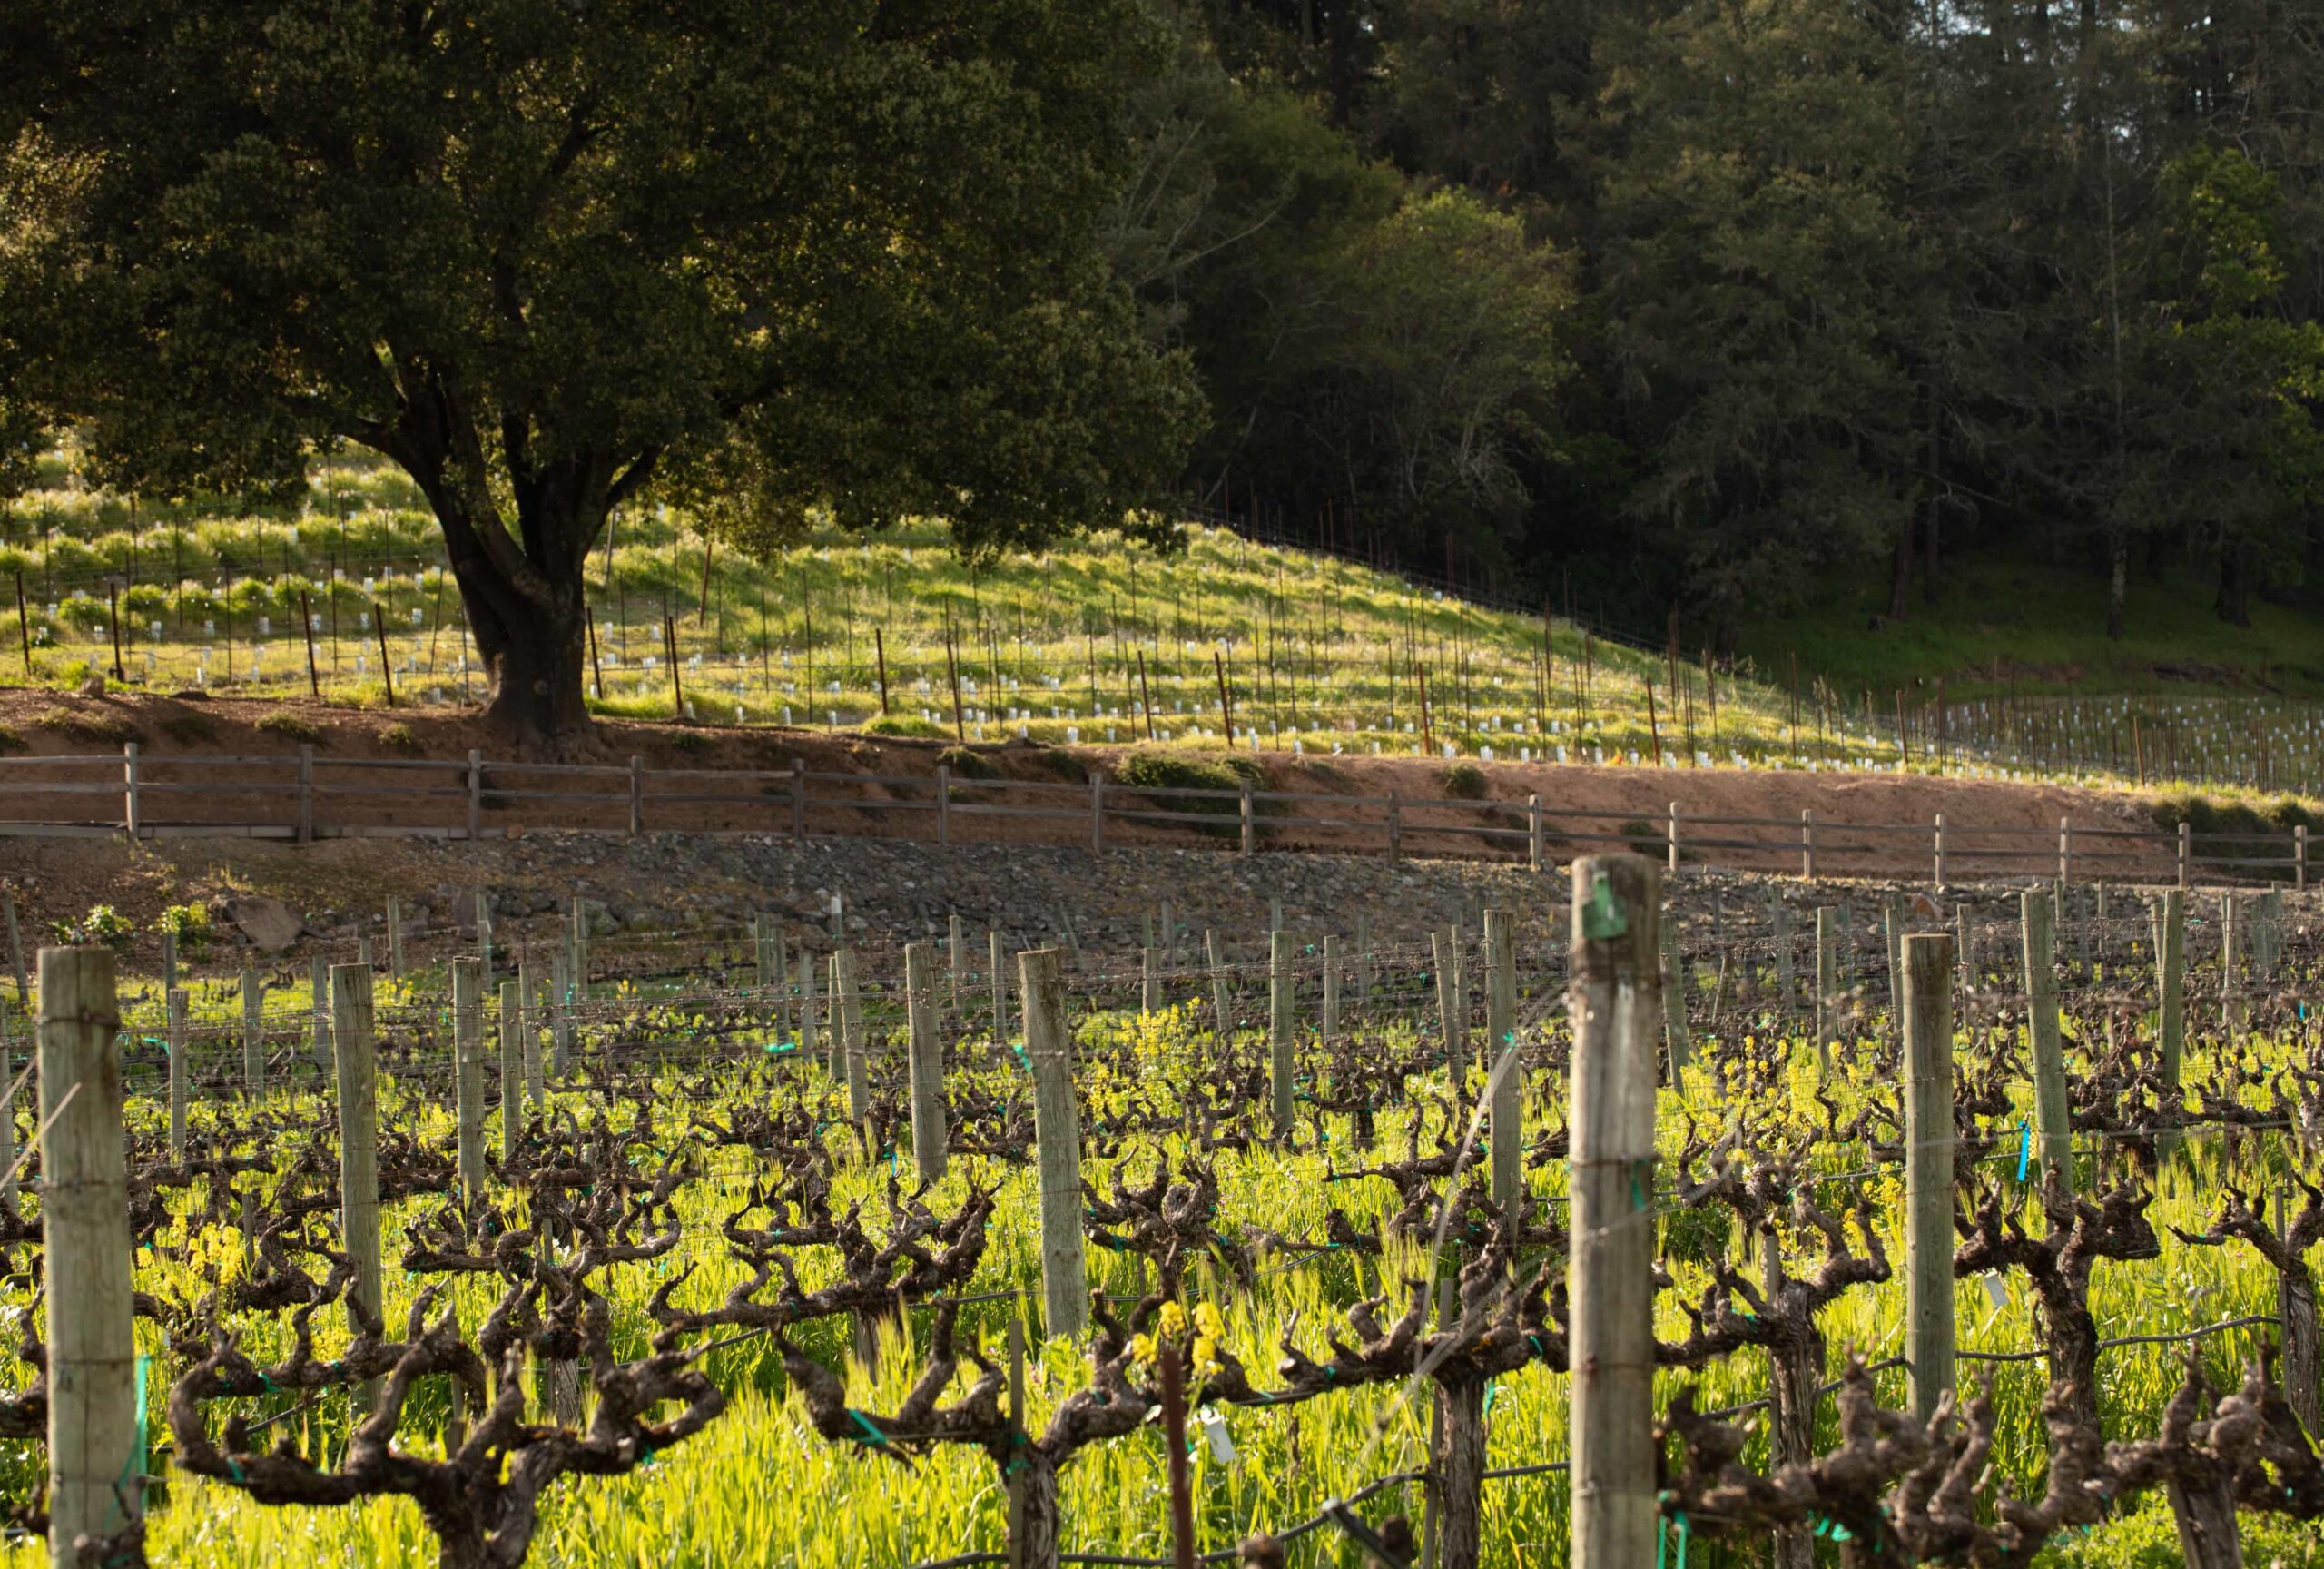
(2205, 1513)
(1459, 1467)
(2233, 605)
(2073, 1356)
(2117, 584)
(2303, 1364)
(535, 656)
(1900, 585)
(1037, 1514)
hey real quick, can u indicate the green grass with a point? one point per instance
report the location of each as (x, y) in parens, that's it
(2042, 627)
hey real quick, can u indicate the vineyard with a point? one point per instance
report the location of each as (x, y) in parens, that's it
(1227, 643)
(1805, 1221)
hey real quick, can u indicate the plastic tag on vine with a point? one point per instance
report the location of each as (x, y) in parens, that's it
(1996, 1289)
(1221, 1443)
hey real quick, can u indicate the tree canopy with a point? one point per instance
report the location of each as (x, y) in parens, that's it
(551, 257)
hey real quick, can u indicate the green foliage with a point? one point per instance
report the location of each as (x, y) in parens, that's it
(95, 726)
(190, 923)
(910, 725)
(189, 729)
(101, 927)
(12, 740)
(1150, 768)
(1465, 782)
(399, 738)
(966, 763)
(294, 726)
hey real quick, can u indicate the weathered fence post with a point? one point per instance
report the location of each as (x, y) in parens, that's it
(637, 795)
(808, 1027)
(352, 1053)
(1616, 949)
(395, 939)
(512, 1070)
(475, 792)
(1057, 1133)
(169, 960)
(179, 1071)
(1279, 1070)
(1807, 843)
(2065, 852)
(253, 1032)
(1150, 979)
(1221, 1005)
(560, 1014)
(2186, 856)
(999, 990)
(1929, 1170)
(925, 1065)
(1506, 1112)
(2171, 977)
(1827, 988)
(580, 945)
(133, 812)
(1451, 1008)
(1330, 1023)
(2039, 919)
(956, 934)
(1940, 850)
(318, 1013)
(1250, 821)
(468, 1072)
(92, 1416)
(306, 829)
(1535, 837)
(848, 1036)
(1670, 845)
(1674, 1005)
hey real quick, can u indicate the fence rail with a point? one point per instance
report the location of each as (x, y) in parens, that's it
(303, 796)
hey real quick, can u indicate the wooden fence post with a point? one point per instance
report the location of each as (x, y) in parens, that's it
(1940, 850)
(318, 1013)
(395, 939)
(560, 1014)
(475, 792)
(2171, 977)
(132, 817)
(1250, 822)
(1674, 1005)
(1221, 1005)
(810, 1027)
(512, 1070)
(798, 799)
(955, 938)
(253, 1032)
(1807, 843)
(2065, 852)
(1451, 1008)
(1505, 1112)
(1057, 1133)
(352, 1048)
(1097, 812)
(925, 1064)
(637, 795)
(1928, 1170)
(1330, 1024)
(1827, 988)
(2186, 848)
(468, 1073)
(847, 1038)
(580, 943)
(1670, 836)
(1535, 837)
(306, 830)
(1615, 945)
(2038, 917)
(180, 1070)
(1279, 1062)
(93, 1415)
(943, 804)
(1000, 988)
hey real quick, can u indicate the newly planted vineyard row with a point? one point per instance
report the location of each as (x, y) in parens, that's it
(1956, 1233)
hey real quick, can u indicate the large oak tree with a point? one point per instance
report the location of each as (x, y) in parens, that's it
(552, 256)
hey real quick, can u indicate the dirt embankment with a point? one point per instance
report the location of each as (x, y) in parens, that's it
(406, 769)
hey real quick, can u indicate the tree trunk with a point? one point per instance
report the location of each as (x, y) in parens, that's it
(536, 658)
(2303, 1364)
(1459, 1464)
(2117, 584)
(2073, 1357)
(1796, 1373)
(1900, 584)
(1928, 548)
(2233, 605)
(1036, 1524)
(2201, 1504)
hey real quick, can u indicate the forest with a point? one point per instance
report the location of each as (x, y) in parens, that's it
(1689, 305)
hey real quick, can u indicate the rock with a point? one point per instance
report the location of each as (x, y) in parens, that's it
(267, 922)
(93, 686)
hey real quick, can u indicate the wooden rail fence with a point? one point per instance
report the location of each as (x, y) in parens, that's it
(305, 796)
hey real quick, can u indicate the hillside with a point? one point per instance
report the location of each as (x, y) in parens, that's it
(1293, 650)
